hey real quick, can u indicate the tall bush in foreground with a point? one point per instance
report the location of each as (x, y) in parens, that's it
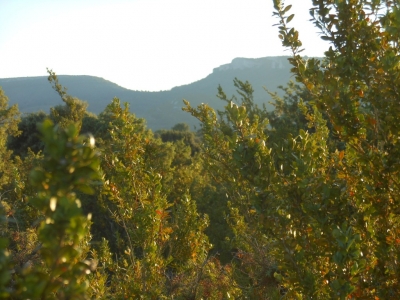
(322, 204)
(356, 86)
(70, 164)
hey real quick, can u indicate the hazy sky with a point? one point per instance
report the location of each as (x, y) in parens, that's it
(141, 44)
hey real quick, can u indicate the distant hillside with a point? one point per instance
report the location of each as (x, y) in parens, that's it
(160, 109)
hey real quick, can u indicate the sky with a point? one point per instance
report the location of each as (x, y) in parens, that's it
(147, 45)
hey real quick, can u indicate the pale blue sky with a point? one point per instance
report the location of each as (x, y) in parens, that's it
(141, 44)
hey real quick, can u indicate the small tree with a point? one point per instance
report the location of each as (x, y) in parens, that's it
(73, 110)
(163, 251)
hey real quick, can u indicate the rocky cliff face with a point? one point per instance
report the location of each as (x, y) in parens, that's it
(241, 63)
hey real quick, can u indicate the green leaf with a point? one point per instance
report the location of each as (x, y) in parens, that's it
(287, 8)
(326, 38)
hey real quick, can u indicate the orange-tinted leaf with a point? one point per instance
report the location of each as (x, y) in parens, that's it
(341, 155)
(371, 121)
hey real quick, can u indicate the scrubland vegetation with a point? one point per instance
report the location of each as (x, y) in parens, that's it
(301, 202)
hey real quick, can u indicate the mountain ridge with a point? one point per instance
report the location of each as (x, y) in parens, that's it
(161, 109)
